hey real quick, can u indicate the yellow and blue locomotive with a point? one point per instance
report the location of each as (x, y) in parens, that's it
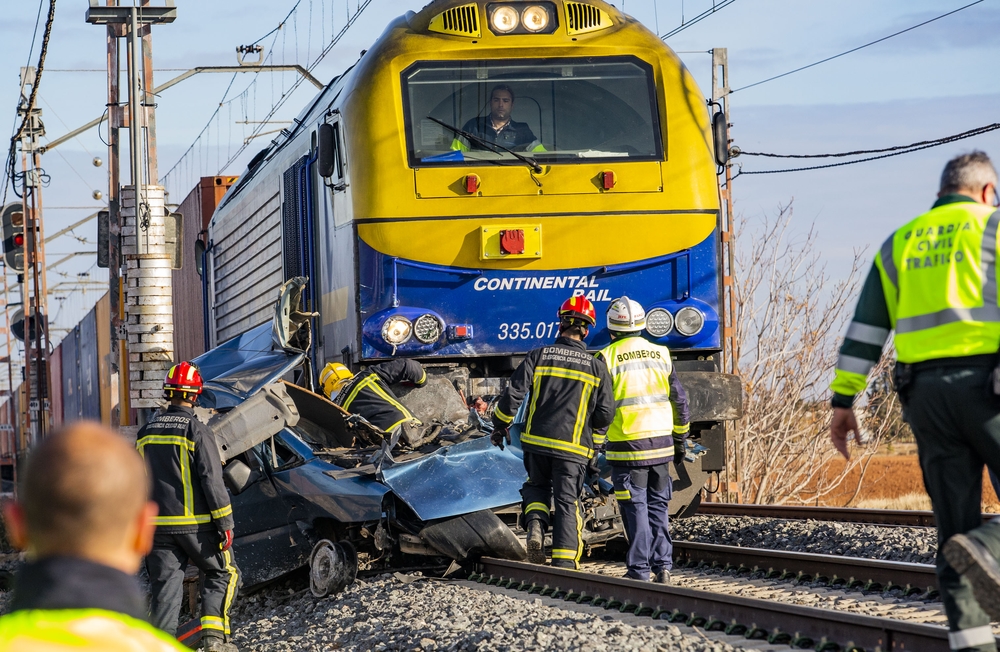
(479, 164)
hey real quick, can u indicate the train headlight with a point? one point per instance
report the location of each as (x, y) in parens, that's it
(427, 329)
(659, 322)
(689, 321)
(504, 19)
(535, 18)
(396, 330)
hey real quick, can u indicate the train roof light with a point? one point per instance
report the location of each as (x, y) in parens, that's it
(504, 19)
(522, 18)
(535, 18)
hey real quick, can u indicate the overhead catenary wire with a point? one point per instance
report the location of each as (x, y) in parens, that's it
(892, 151)
(860, 47)
(700, 17)
(9, 168)
(858, 152)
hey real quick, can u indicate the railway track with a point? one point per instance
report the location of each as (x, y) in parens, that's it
(911, 518)
(868, 575)
(753, 619)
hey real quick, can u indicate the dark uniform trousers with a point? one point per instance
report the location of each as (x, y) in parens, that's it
(165, 565)
(643, 493)
(552, 479)
(956, 423)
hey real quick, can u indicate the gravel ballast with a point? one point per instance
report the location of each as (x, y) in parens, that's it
(385, 613)
(910, 544)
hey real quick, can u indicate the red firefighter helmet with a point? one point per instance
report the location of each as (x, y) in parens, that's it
(183, 377)
(578, 308)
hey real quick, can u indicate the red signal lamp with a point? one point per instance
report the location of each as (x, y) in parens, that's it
(19, 240)
(472, 183)
(608, 179)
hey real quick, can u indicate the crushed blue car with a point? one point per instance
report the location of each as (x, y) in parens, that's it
(315, 486)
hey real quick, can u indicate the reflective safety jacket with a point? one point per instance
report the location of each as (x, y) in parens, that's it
(934, 282)
(62, 604)
(570, 398)
(186, 472)
(368, 393)
(651, 406)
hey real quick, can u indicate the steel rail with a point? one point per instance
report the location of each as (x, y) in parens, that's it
(913, 518)
(834, 570)
(805, 627)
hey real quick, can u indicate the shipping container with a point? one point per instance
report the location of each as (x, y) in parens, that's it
(189, 317)
(90, 381)
(56, 386)
(103, 311)
(70, 346)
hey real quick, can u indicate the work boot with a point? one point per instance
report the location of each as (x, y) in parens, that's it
(662, 577)
(564, 563)
(217, 644)
(536, 542)
(971, 559)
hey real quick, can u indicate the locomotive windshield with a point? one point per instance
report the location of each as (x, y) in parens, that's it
(565, 110)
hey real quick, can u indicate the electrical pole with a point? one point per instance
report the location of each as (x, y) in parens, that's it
(139, 265)
(730, 344)
(34, 290)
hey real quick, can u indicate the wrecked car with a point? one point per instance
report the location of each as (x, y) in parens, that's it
(313, 485)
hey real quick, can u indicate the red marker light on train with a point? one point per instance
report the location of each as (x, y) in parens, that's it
(472, 183)
(608, 179)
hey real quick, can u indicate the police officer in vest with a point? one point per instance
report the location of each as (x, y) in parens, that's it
(934, 282)
(83, 511)
(651, 409)
(195, 522)
(571, 397)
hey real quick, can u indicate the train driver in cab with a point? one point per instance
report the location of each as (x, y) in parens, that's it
(498, 127)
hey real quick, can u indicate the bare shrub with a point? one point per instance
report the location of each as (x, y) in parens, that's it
(789, 322)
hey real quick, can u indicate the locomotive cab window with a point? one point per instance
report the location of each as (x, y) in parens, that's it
(556, 111)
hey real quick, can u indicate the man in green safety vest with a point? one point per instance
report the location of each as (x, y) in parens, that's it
(651, 409)
(84, 513)
(934, 282)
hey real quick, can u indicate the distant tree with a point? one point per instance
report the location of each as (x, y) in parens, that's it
(789, 322)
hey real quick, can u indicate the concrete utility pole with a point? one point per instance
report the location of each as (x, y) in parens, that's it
(34, 290)
(139, 265)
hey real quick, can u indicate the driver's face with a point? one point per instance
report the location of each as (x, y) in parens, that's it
(500, 106)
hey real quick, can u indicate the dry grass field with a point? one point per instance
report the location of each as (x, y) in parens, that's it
(893, 481)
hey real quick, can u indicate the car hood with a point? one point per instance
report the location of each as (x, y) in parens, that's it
(459, 479)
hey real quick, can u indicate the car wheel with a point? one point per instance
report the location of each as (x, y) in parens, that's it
(332, 567)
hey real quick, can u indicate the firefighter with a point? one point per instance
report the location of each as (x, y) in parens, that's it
(651, 410)
(934, 282)
(83, 511)
(571, 398)
(195, 522)
(368, 393)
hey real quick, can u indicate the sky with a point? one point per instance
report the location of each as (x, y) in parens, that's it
(933, 81)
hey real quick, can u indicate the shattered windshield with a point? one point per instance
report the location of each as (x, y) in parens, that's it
(565, 110)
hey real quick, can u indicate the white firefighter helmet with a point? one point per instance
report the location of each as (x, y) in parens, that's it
(626, 315)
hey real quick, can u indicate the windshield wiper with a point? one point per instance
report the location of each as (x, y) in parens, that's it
(527, 160)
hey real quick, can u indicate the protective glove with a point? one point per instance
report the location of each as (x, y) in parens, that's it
(593, 476)
(501, 433)
(227, 540)
(689, 450)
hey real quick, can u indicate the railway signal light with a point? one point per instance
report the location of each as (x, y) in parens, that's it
(17, 325)
(12, 218)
